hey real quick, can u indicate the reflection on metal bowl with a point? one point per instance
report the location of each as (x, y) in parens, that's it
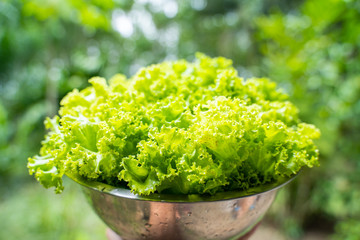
(227, 215)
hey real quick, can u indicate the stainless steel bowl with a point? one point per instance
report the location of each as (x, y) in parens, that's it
(227, 215)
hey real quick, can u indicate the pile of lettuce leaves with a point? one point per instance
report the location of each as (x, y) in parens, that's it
(176, 127)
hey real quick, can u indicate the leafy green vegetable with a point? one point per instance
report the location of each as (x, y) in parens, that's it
(177, 127)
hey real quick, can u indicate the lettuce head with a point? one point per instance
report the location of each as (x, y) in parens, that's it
(176, 127)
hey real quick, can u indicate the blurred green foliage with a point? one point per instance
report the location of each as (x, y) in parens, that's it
(311, 48)
(347, 230)
(32, 213)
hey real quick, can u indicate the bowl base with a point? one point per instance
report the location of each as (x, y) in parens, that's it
(111, 235)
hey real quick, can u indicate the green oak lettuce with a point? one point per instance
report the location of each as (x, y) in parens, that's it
(176, 127)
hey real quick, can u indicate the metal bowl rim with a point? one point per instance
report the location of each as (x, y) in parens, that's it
(180, 198)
